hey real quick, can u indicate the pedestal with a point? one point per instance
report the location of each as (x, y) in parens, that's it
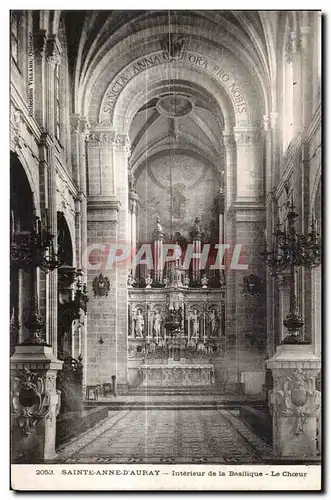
(295, 402)
(35, 403)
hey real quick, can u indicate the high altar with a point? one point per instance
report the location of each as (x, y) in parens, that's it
(176, 323)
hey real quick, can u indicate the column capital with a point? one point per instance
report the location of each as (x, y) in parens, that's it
(292, 46)
(39, 42)
(248, 137)
(229, 140)
(304, 37)
(53, 53)
(103, 135)
(270, 121)
(79, 125)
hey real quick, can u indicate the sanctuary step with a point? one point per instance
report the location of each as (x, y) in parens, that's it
(175, 401)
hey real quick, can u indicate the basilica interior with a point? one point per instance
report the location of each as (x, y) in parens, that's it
(165, 236)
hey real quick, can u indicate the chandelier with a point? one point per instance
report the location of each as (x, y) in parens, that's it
(35, 248)
(291, 250)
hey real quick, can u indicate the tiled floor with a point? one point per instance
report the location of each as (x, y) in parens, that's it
(168, 436)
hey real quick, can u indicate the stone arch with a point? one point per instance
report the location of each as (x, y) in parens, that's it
(134, 94)
(205, 39)
(24, 162)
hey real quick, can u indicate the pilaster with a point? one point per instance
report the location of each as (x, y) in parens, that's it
(108, 213)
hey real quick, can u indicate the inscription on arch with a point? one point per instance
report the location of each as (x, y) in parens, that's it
(228, 81)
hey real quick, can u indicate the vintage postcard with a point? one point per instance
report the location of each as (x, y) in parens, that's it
(165, 249)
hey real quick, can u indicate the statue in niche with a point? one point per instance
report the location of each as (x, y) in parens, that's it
(195, 322)
(139, 324)
(214, 323)
(157, 322)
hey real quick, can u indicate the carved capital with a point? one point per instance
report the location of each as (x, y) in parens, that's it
(229, 141)
(39, 43)
(291, 47)
(53, 54)
(101, 138)
(248, 138)
(304, 37)
(79, 125)
(122, 143)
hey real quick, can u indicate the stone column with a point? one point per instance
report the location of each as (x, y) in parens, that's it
(248, 237)
(108, 230)
(121, 153)
(52, 60)
(33, 388)
(99, 355)
(249, 178)
(270, 124)
(229, 238)
(295, 402)
(39, 45)
(79, 132)
(307, 77)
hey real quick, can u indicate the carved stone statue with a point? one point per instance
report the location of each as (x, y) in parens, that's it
(195, 325)
(157, 322)
(139, 324)
(214, 324)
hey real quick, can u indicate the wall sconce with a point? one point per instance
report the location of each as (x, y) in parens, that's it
(101, 341)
